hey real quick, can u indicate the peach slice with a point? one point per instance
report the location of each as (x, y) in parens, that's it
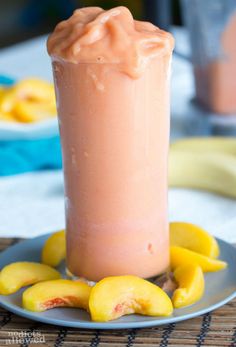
(17, 275)
(116, 296)
(33, 111)
(7, 100)
(182, 256)
(194, 238)
(54, 249)
(191, 285)
(57, 293)
(34, 89)
(7, 117)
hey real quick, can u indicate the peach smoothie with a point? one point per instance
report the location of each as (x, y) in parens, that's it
(216, 81)
(112, 86)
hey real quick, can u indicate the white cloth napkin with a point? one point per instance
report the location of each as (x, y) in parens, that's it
(32, 204)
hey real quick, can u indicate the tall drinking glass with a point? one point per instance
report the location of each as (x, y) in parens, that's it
(114, 126)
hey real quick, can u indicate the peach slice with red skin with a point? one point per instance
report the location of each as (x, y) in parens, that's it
(191, 285)
(113, 297)
(182, 256)
(54, 249)
(57, 293)
(194, 238)
(20, 274)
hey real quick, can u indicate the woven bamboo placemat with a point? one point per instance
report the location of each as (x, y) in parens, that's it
(217, 328)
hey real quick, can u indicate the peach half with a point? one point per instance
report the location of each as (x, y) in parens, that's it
(54, 249)
(181, 256)
(113, 297)
(194, 238)
(57, 293)
(20, 274)
(191, 285)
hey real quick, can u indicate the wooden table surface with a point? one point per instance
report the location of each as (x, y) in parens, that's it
(217, 328)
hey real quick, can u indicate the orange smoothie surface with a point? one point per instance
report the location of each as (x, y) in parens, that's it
(112, 86)
(92, 35)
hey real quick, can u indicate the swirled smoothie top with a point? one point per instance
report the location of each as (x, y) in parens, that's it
(93, 35)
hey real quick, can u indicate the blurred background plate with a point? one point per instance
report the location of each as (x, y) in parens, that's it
(26, 147)
(20, 131)
(26, 131)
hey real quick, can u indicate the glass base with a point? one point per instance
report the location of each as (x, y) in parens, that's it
(73, 277)
(165, 280)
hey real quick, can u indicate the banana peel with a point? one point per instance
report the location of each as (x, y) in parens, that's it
(206, 144)
(198, 167)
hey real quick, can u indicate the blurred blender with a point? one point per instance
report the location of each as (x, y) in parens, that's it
(212, 30)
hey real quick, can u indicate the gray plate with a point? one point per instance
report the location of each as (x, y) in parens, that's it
(220, 288)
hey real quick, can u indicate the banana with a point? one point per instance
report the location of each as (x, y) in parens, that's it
(213, 171)
(206, 144)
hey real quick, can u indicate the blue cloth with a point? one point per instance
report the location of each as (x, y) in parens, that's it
(6, 80)
(30, 155)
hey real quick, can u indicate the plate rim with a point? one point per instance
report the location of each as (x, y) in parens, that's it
(106, 325)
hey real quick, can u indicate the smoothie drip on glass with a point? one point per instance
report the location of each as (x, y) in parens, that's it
(111, 78)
